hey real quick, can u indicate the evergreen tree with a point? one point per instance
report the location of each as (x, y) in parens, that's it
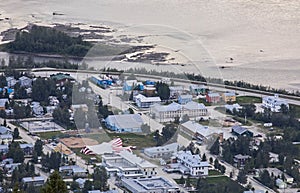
(215, 148)
(16, 133)
(242, 178)
(55, 184)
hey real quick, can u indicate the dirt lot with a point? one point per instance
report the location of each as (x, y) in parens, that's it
(77, 142)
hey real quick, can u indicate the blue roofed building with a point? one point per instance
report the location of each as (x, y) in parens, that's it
(124, 123)
(34, 181)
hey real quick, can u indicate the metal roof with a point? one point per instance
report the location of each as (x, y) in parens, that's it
(125, 121)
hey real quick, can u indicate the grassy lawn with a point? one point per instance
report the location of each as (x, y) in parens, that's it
(214, 184)
(296, 109)
(84, 156)
(248, 99)
(51, 135)
(214, 173)
(132, 139)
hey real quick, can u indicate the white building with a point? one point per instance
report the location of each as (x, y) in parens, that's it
(162, 151)
(150, 185)
(273, 103)
(25, 81)
(145, 102)
(194, 129)
(235, 106)
(127, 164)
(175, 91)
(168, 112)
(33, 181)
(11, 81)
(190, 164)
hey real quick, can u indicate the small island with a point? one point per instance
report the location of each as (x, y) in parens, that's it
(46, 40)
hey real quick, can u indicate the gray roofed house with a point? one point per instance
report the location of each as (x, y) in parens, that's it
(241, 131)
(124, 123)
(25, 81)
(165, 151)
(2, 103)
(183, 99)
(4, 148)
(149, 185)
(98, 191)
(5, 138)
(34, 181)
(5, 130)
(73, 170)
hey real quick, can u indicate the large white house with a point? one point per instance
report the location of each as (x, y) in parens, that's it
(189, 164)
(168, 112)
(274, 103)
(145, 102)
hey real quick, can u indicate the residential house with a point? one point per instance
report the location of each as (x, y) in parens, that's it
(33, 181)
(61, 78)
(241, 131)
(254, 191)
(188, 164)
(11, 81)
(4, 148)
(130, 85)
(165, 151)
(150, 185)
(80, 182)
(6, 138)
(27, 148)
(280, 183)
(196, 89)
(2, 103)
(274, 103)
(175, 91)
(277, 173)
(73, 170)
(213, 97)
(124, 123)
(145, 102)
(229, 97)
(184, 99)
(25, 81)
(5, 130)
(233, 107)
(240, 160)
(37, 109)
(149, 90)
(126, 164)
(169, 112)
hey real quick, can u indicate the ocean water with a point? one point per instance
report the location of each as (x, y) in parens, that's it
(261, 36)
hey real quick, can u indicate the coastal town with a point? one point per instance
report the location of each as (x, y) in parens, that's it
(116, 133)
(149, 96)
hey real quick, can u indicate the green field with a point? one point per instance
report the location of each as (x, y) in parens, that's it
(51, 135)
(248, 99)
(131, 139)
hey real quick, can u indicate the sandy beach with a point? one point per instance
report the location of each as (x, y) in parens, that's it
(262, 37)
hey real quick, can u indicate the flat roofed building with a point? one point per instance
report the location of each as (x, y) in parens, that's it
(124, 123)
(165, 151)
(129, 165)
(150, 185)
(168, 112)
(33, 181)
(194, 129)
(73, 170)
